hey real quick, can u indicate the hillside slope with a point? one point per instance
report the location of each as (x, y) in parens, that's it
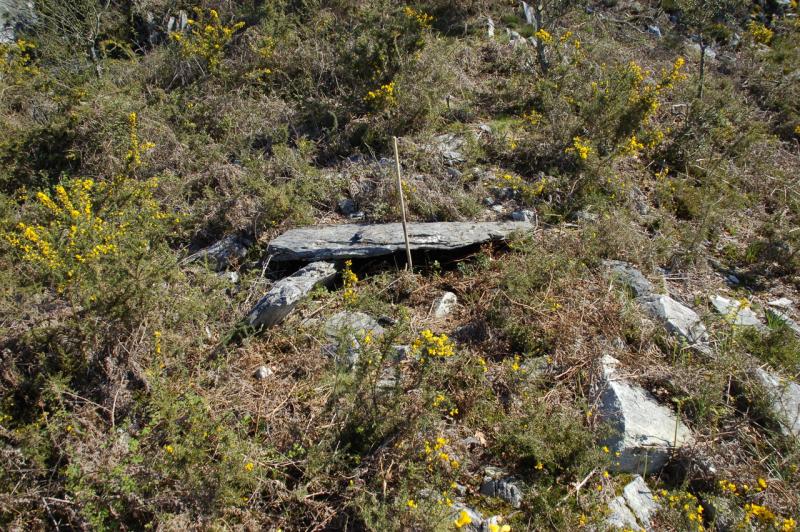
(628, 358)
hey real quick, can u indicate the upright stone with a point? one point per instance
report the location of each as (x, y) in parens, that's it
(284, 296)
(676, 317)
(221, 254)
(644, 431)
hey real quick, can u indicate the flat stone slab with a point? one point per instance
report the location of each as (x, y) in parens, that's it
(785, 319)
(784, 398)
(346, 331)
(287, 293)
(643, 430)
(326, 242)
(630, 277)
(498, 483)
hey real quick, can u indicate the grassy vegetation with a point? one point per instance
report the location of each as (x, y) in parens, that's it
(125, 403)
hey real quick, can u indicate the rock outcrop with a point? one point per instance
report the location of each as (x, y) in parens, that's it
(644, 432)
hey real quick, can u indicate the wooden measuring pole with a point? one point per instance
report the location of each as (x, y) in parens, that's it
(409, 265)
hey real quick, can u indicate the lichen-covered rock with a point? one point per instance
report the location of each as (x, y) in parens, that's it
(325, 242)
(284, 296)
(644, 432)
(445, 305)
(498, 483)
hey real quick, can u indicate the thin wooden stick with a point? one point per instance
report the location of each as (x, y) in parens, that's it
(409, 265)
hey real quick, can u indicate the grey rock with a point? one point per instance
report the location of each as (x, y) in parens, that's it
(630, 277)
(620, 516)
(732, 279)
(498, 483)
(785, 319)
(15, 15)
(445, 305)
(478, 523)
(676, 317)
(524, 215)
(357, 216)
(346, 331)
(325, 242)
(284, 296)
(455, 173)
(498, 209)
(585, 216)
(449, 146)
(640, 500)
(644, 431)
(490, 28)
(503, 193)
(221, 254)
(695, 50)
(784, 397)
(735, 312)
(262, 373)
(488, 201)
(231, 277)
(654, 30)
(485, 128)
(527, 12)
(347, 206)
(783, 302)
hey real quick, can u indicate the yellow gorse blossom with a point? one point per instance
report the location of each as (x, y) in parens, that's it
(207, 38)
(420, 17)
(349, 281)
(760, 33)
(580, 147)
(462, 520)
(382, 97)
(431, 345)
(544, 36)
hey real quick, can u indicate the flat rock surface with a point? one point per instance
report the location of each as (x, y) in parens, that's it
(644, 430)
(784, 397)
(346, 331)
(324, 242)
(630, 277)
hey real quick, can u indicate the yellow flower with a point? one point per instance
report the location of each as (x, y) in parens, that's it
(463, 519)
(544, 36)
(249, 466)
(411, 503)
(169, 449)
(605, 449)
(539, 466)
(762, 483)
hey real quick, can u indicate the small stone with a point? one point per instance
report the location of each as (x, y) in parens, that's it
(347, 206)
(284, 296)
(357, 216)
(477, 521)
(677, 318)
(220, 255)
(784, 396)
(585, 216)
(490, 28)
(640, 500)
(644, 430)
(620, 516)
(488, 201)
(654, 30)
(349, 329)
(445, 305)
(485, 128)
(498, 209)
(497, 483)
(783, 302)
(524, 215)
(454, 173)
(732, 280)
(449, 146)
(262, 373)
(231, 277)
(630, 277)
(734, 311)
